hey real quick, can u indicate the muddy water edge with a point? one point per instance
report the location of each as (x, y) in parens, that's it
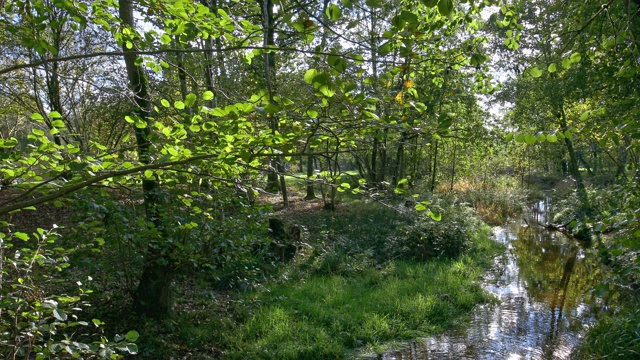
(543, 284)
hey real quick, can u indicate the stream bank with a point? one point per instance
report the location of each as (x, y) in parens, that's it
(543, 283)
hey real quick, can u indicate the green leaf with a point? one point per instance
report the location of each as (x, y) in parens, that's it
(434, 217)
(59, 315)
(445, 7)
(584, 116)
(410, 18)
(568, 134)
(165, 39)
(509, 137)
(55, 115)
(207, 95)
(552, 68)
(552, 138)
(37, 117)
(189, 100)
(566, 63)
(132, 336)
(529, 139)
(327, 90)
(333, 12)
(575, 58)
(385, 48)
(21, 236)
(165, 103)
(535, 72)
(430, 3)
(403, 181)
(58, 124)
(178, 105)
(420, 207)
(345, 186)
(132, 349)
(312, 114)
(309, 75)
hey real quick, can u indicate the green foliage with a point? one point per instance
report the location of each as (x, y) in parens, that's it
(330, 316)
(427, 239)
(35, 323)
(613, 337)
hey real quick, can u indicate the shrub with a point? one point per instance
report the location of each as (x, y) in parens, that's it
(428, 239)
(34, 321)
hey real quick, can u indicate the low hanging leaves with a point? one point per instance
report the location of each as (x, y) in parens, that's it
(535, 72)
(333, 12)
(445, 7)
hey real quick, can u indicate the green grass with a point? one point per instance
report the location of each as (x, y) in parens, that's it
(328, 317)
(341, 296)
(613, 337)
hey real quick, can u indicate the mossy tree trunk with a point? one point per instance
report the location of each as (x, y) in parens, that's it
(153, 295)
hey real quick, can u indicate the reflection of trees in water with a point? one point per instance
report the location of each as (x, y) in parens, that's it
(558, 276)
(554, 272)
(543, 283)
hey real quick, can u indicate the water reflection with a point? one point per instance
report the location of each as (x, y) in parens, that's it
(542, 282)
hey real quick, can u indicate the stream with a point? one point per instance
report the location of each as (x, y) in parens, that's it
(542, 282)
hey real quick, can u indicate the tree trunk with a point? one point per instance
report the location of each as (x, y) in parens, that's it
(453, 165)
(382, 173)
(310, 188)
(435, 164)
(153, 295)
(574, 170)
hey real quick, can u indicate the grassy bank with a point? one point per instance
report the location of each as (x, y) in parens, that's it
(328, 317)
(341, 294)
(363, 277)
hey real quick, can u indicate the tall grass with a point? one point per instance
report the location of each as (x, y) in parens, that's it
(328, 317)
(495, 202)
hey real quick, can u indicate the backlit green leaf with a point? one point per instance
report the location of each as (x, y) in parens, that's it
(207, 95)
(189, 100)
(535, 72)
(333, 12)
(309, 75)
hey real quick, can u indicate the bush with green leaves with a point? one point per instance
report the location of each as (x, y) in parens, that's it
(37, 319)
(426, 238)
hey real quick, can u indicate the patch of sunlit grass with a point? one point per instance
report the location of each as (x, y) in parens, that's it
(326, 317)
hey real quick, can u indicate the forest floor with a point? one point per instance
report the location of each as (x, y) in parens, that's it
(356, 283)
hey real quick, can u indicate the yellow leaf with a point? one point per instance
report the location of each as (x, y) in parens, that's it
(400, 97)
(408, 83)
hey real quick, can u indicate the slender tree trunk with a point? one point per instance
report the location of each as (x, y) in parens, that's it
(373, 177)
(323, 43)
(310, 188)
(399, 167)
(453, 165)
(574, 170)
(435, 164)
(153, 295)
(382, 173)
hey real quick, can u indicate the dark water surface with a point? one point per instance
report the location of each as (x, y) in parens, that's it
(542, 282)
